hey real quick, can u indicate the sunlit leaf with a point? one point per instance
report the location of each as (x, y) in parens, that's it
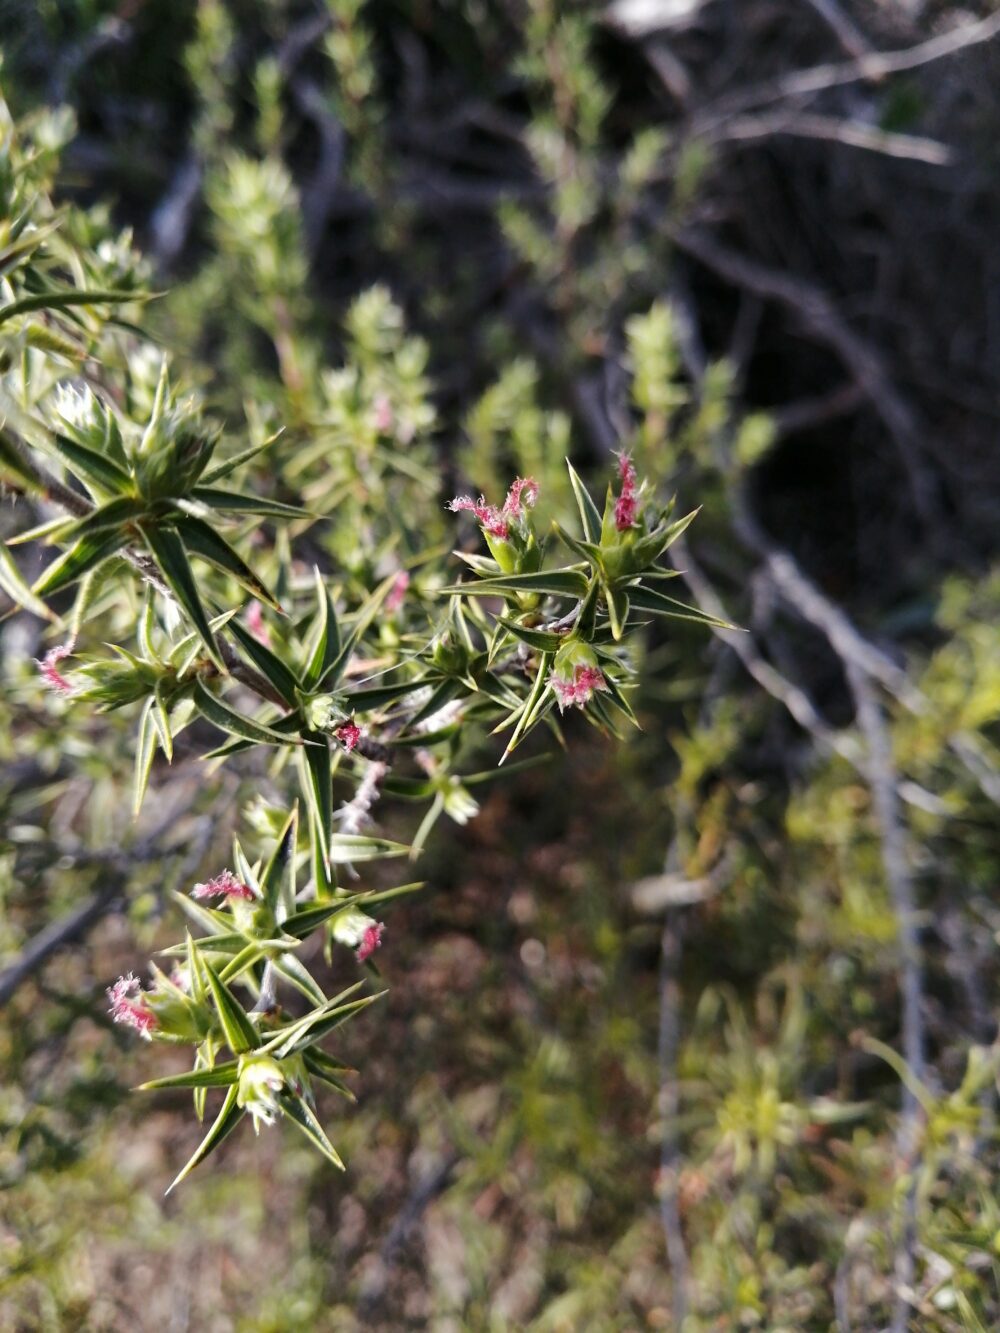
(168, 552)
(226, 1121)
(240, 1033)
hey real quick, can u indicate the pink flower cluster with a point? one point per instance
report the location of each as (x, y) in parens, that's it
(49, 668)
(397, 592)
(579, 689)
(128, 1006)
(627, 504)
(348, 733)
(370, 941)
(384, 416)
(225, 885)
(255, 624)
(521, 496)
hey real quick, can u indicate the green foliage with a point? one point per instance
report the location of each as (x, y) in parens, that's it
(243, 543)
(145, 467)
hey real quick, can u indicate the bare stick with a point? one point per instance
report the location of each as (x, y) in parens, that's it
(794, 699)
(117, 860)
(833, 129)
(423, 1193)
(170, 222)
(668, 1051)
(56, 936)
(877, 767)
(803, 596)
(821, 316)
(870, 67)
(895, 861)
(850, 36)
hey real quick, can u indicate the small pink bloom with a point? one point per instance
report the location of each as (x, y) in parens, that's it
(489, 516)
(397, 592)
(255, 623)
(370, 941)
(225, 885)
(128, 1006)
(49, 669)
(578, 690)
(384, 416)
(522, 494)
(627, 504)
(348, 733)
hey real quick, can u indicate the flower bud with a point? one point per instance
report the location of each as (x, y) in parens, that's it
(358, 931)
(576, 675)
(321, 711)
(260, 1081)
(178, 1016)
(627, 504)
(459, 805)
(129, 1005)
(49, 671)
(450, 655)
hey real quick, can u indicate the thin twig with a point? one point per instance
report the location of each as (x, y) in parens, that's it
(850, 36)
(794, 699)
(871, 67)
(821, 316)
(893, 840)
(877, 766)
(423, 1193)
(57, 935)
(116, 862)
(808, 413)
(833, 129)
(170, 222)
(803, 596)
(668, 1053)
(318, 196)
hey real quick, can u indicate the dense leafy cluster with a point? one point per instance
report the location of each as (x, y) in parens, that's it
(391, 679)
(691, 1031)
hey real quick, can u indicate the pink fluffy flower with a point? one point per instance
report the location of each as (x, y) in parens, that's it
(578, 690)
(348, 733)
(49, 669)
(489, 516)
(384, 415)
(370, 941)
(522, 495)
(255, 623)
(397, 592)
(627, 504)
(128, 1006)
(225, 885)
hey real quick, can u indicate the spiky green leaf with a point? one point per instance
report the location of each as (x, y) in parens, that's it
(226, 1121)
(240, 1033)
(167, 550)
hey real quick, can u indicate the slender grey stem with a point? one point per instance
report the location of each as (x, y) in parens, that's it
(668, 1051)
(56, 936)
(268, 998)
(895, 861)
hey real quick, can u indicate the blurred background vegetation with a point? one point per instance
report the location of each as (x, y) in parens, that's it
(696, 1032)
